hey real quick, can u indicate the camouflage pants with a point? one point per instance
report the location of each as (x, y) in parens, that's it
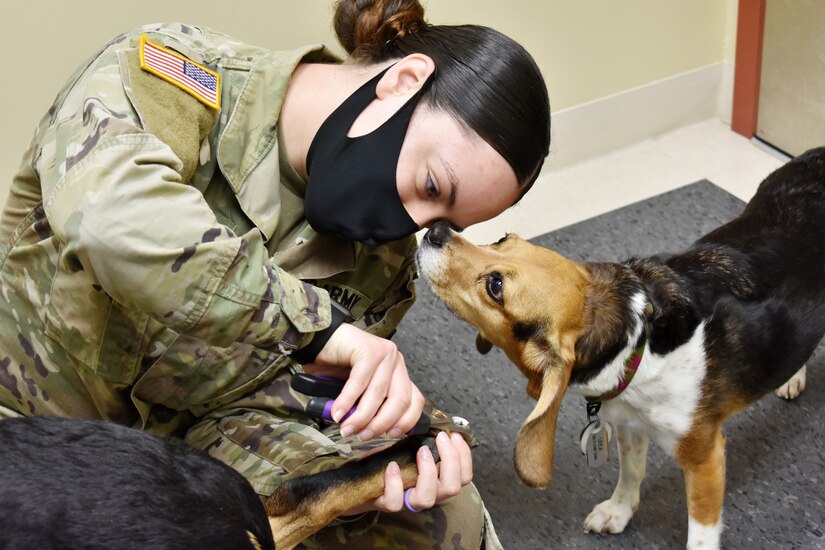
(267, 449)
(460, 523)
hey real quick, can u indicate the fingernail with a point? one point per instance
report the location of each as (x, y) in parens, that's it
(395, 433)
(336, 416)
(393, 467)
(425, 452)
(443, 437)
(366, 435)
(346, 431)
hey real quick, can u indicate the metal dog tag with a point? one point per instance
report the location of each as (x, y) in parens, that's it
(595, 443)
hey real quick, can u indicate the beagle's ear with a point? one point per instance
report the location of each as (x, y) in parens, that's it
(533, 456)
(483, 345)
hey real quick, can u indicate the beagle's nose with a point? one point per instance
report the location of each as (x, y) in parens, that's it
(438, 235)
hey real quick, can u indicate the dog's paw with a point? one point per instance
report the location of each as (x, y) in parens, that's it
(610, 516)
(795, 386)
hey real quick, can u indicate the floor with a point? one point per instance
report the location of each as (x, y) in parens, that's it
(708, 150)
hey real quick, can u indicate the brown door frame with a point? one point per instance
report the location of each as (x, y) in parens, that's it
(750, 29)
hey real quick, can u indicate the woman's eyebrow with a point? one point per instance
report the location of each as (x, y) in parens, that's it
(453, 183)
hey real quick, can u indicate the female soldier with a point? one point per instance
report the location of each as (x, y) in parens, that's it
(196, 218)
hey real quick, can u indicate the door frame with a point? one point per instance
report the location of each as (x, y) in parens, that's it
(750, 30)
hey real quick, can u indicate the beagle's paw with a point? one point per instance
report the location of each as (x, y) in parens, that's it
(795, 386)
(611, 516)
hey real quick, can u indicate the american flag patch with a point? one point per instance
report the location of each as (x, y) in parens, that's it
(190, 77)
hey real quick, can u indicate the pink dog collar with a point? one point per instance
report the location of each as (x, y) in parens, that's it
(631, 364)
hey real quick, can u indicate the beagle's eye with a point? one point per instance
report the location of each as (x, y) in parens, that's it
(495, 287)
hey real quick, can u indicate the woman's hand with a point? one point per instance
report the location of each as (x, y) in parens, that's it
(432, 487)
(388, 401)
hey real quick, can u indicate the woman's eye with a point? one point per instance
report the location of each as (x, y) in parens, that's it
(495, 287)
(430, 187)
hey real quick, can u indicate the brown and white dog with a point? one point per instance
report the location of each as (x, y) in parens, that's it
(671, 346)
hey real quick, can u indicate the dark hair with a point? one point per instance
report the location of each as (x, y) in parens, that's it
(486, 80)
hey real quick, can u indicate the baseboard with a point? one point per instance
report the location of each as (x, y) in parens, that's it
(604, 125)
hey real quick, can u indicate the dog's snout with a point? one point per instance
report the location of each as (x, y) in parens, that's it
(438, 235)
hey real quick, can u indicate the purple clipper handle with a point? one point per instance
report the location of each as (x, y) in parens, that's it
(321, 407)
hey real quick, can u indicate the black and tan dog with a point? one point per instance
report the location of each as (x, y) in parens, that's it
(671, 346)
(73, 483)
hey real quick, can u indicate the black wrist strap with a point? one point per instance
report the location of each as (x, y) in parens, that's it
(308, 353)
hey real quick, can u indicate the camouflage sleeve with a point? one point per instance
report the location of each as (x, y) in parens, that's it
(115, 199)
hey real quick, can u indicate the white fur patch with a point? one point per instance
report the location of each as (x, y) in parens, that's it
(610, 376)
(612, 515)
(703, 537)
(430, 261)
(664, 393)
(794, 386)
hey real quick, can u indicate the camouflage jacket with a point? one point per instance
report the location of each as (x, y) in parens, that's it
(155, 260)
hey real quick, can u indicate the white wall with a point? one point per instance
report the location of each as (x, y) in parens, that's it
(587, 49)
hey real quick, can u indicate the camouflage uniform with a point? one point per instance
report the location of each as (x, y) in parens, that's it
(157, 271)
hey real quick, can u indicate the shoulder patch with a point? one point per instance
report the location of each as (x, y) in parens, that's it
(198, 81)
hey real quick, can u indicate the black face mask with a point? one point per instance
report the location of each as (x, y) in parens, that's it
(352, 190)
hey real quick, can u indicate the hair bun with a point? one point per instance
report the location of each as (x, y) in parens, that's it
(368, 28)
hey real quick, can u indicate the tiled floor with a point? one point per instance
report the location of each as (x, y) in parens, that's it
(708, 150)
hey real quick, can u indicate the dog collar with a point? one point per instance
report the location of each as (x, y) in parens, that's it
(631, 364)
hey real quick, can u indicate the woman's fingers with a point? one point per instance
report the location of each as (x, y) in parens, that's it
(393, 498)
(456, 471)
(465, 454)
(398, 408)
(372, 396)
(433, 486)
(449, 480)
(410, 417)
(425, 492)
(378, 382)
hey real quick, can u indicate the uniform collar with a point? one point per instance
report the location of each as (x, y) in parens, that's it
(247, 150)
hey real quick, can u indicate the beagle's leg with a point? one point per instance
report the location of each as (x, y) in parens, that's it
(794, 386)
(302, 506)
(612, 515)
(704, 468)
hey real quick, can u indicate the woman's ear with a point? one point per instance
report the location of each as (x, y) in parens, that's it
(406, 76)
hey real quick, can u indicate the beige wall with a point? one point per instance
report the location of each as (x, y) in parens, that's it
(587, 49)
(731, 14)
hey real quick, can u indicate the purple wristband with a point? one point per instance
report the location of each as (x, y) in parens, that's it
(407, 501)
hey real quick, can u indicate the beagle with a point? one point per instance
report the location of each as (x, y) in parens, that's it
(664, 348)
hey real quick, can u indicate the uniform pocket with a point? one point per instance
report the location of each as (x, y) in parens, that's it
(98, 332)
(264, 448)
(287, 444)
(193, 375)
